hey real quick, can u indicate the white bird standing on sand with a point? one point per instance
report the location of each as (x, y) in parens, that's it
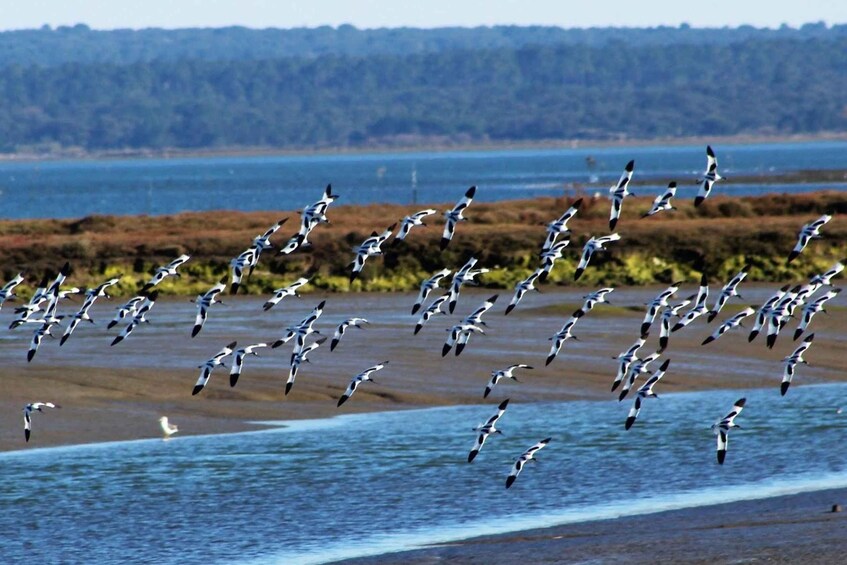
(455, 216)
(430, 311)
(368, 248)
(710, 177)
(813, 308)
(618, 192)
(207, 367)
(427, 286)
(560, 226)
(728, 291)
(359, 379)
(280, 293)
(733, 322)
(342, 328)
(522, 288)
(169, 270)
(808, 232)
(204, 302)
(591, 246)
(549, 257)
(128, 309)
(765, 310)
(699, 307)
(791, 362)
(238, 360)
(663, 201)
(561, 337)
(487, 429)
(139, 317)
(28, 411)
(722, 427)
(591, 300)
(527, 455)
(645, 391)
(465, 275)
(298, 359)
(8, 290)
(408, 222)
(508, 373)
(665, 323)
(625, 360)
(653, 307)
(168, 429)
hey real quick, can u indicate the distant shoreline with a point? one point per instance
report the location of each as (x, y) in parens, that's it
(412, 146)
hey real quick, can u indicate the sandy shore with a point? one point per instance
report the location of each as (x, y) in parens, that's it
(797, 528)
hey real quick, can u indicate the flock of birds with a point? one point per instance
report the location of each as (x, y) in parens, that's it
(41, 310)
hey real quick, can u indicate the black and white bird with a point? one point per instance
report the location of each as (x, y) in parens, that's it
(310, 217)
(298, 359)
(303, 328)
(522, 288)
(699, 307)
(637, 367)
(238, 356)
(826, 278)
(550, 256)
(430, 311)
(204, 302)
(91, 296)
(342, 328)
(778, 315)
(455, 216)
(169, 270)
(591, 246)
(262, 242)
(591, 300)
(526, 456)
(463, 276)
(560, 226)
(128, 309)
(663, 201)
(408, 222)
(139, 317)
(807, 233)
(721, 428)
(733, 322)
(729, 290)
(645, 391)
(665, 323)
(8, 290)
(560, 338)
(47, 323)
(710, 177)
(29, 409)
(206, 368)
(487, 429)
(427, 286)
(618, 192)
(764, 312)
(625, 360)
(27, 312)
(168, 429)
(812, 308)
(359, 379)
(508, 373)
(240, 267)
(459, 335)
(792, 361)
(280, 293)
(653, 307)
(371, 247)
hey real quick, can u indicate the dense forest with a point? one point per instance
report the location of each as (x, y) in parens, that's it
(74, 87)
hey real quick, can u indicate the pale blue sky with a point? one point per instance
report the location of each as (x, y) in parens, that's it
(110, 14)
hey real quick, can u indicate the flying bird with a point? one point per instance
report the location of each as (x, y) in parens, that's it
(653, 307)
(128, 309)
(487, 429)
(560, 226)
(370, 247)
(636, 368)
(665, 323)
(508, 373)
(430, 311)
(699, 307)
(729, 290)
(359, 379)
(280, 293)
(463, 276)
(807, 233)
(591, 300)
(710, 177)
(591, 246)
(408, 222)
(561, 337)
(206, 368)
(721, 428)
(8, 290)
(455, 216)
(549, 257)
(29, 409)
(618, 192)
(645, 391)
(663, 201)
(826, 278)
(427, 286)
(459, 334)
(238, 360)
(342, 327)
(733, 322)
(764, 312)
(298, 359)
(169, 270)
(625, 360)
(813, 308)
(522, 288)
(527, 455)
(139, 317)
(204, 302)
(791, 362)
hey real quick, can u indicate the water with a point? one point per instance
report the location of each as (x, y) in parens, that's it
(354, 485)
(68, 189)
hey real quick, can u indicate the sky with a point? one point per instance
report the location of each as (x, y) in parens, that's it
(111, 14)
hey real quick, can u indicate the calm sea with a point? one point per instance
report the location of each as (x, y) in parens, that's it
(321, 490)
(67, 189)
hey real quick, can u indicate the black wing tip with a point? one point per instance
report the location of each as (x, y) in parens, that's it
(741, 402)
(196, 390)
(709, 339)
(549, 360)
(721, 457)
(770, 341)
(117, 340)
(698, 200)
(415, 309)
(578, 274)
(233, 380)
(810, 338)
(445, 350)
(417, 329)
(288, 389)
(665, 365)
(472, 456)
(502, 405)
(509, 308)
(797, 334)
(577, 203)
(630, 166)
(342, 400)
(196, 331)
(444, 243)
(332, 344)
(612, 223)
(628, 424)
(470, 192)
(783, 388)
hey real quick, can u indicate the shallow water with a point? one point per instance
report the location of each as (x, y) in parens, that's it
(319, 490)
(63, 189)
